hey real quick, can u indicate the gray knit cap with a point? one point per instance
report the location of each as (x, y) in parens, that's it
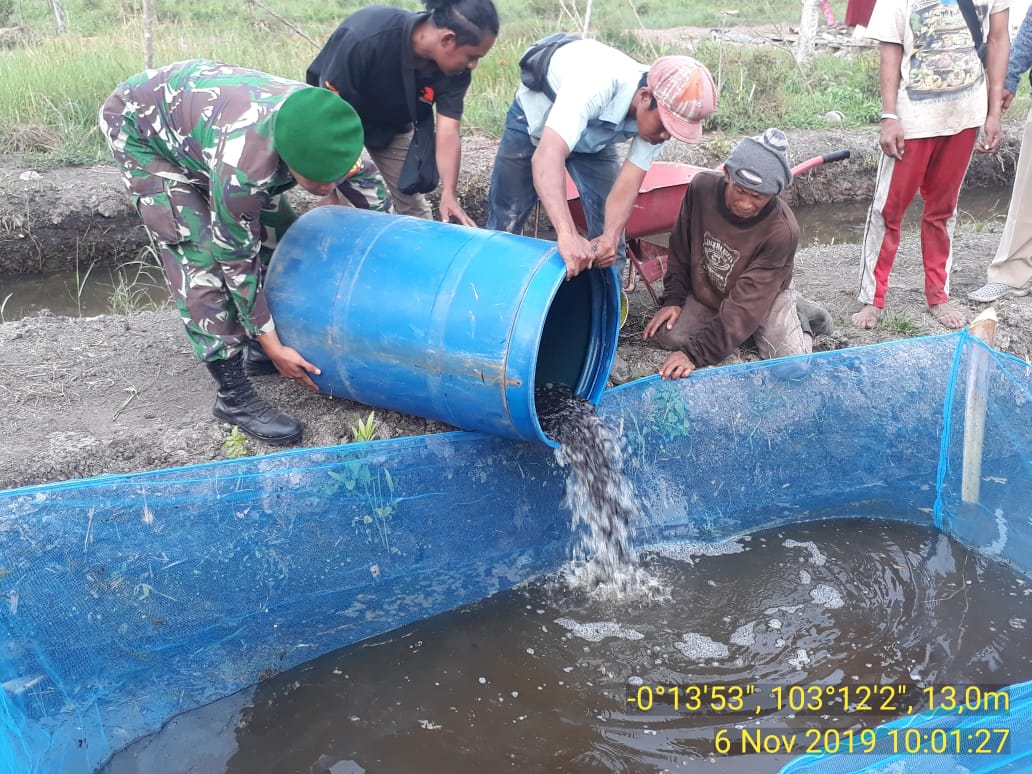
(761, 163)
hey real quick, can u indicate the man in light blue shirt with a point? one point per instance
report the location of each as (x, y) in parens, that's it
(602, 97)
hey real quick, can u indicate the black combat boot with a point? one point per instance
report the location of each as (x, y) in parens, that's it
(237, 403)
(256, 362)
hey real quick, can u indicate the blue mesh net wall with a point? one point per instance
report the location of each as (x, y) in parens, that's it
(130, 599)
(736, 449)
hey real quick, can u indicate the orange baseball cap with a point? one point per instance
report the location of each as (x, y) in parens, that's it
(685, 94)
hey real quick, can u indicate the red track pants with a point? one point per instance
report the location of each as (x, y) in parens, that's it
(935, 166)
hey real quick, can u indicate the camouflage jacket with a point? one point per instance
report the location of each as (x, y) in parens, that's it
(210, 125)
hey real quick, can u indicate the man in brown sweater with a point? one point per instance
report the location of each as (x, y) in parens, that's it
(729, 275)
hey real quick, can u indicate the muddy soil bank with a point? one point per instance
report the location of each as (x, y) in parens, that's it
(56, 219)
(112, 394)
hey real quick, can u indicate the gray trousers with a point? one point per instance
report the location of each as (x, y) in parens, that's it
(779, 334)
(390, 160)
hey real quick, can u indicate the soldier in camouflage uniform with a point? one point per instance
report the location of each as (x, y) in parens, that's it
(206, 151)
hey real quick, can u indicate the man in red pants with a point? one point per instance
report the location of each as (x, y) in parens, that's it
(935, 96)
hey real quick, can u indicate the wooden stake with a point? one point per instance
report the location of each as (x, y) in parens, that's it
(807, 42)
(60, 17)
(148, 35)
(983, 328)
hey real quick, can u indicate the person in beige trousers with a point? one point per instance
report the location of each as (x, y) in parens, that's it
(1011, 269)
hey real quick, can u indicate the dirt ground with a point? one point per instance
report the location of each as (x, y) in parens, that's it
(89, 396)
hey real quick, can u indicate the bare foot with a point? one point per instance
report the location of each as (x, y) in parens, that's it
(867, 317)
(948, 315)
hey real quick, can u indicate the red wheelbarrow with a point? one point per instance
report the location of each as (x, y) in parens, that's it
(655, 211)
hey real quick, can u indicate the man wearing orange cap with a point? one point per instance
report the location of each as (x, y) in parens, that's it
(206, 149)
(591, 98)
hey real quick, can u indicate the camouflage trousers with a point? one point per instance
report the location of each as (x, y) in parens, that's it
(195, 279)
(365, 189)
(177, 216)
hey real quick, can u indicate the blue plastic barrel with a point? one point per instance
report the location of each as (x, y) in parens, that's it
(441, 321)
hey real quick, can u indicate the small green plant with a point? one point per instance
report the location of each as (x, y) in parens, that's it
(973, 224)
(366, 429)
(376, 489)
(667, 423)
(81, 281)
(131, 291)
(381, 501)
(899, 324)
(721, 146)
(235, 445)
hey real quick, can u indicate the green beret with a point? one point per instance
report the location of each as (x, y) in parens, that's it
(317, 134)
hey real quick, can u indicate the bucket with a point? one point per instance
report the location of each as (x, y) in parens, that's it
(441, 321)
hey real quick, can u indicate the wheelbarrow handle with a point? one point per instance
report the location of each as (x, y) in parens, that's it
(816, 161)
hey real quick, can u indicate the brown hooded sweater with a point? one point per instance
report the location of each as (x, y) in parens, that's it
(736, 267)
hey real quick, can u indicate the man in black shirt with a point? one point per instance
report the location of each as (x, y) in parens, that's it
(393, 66)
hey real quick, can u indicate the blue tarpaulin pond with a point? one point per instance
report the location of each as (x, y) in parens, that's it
(130, 599)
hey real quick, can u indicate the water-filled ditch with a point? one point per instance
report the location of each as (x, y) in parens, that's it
(103, 289)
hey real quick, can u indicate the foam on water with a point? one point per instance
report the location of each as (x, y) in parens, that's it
(744, 635)
(596, 631)
(826, 596)
(818, 558)
(688, 551)
(700, 647)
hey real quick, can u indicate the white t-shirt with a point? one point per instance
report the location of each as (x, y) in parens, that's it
(594, 86)
(943, 86)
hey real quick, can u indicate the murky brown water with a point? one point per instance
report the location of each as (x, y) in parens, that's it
(536, 679)
(843, 223)
(100, 290)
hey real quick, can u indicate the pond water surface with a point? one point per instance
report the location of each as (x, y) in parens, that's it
(539, 679)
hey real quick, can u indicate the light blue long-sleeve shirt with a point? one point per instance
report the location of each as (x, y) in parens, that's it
(1020, 54)
(594, 86)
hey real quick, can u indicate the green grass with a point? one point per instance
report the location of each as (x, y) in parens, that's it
(898, 323)
(134, 284)
(90, 18)
(967, 222)
(762, 86)
(54, 85)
